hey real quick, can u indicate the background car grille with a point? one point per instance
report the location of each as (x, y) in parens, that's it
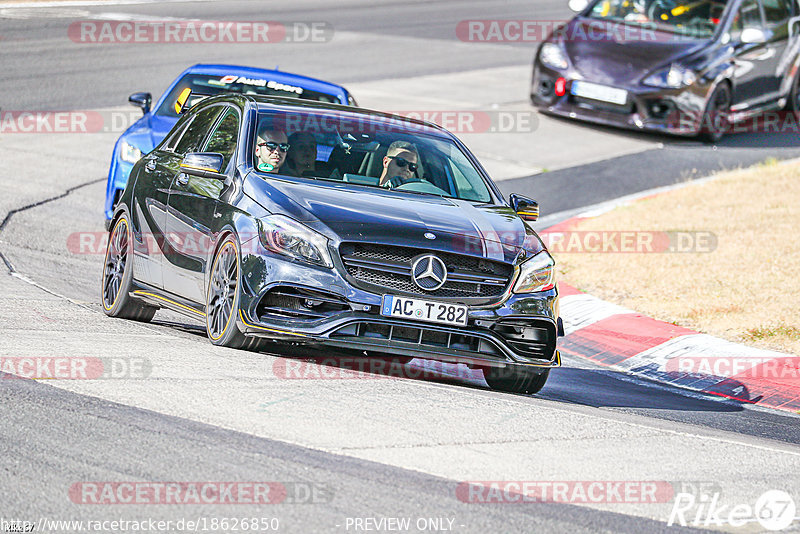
(388, 267)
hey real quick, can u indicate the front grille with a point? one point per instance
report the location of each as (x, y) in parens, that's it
(388, 268)
(425, 339)
(598, 105)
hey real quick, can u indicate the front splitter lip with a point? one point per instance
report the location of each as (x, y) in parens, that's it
(633, 121)
(319, 334)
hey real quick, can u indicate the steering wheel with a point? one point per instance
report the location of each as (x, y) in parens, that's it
(417, 185)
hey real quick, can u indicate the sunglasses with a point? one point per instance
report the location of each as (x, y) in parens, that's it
(402, 162)
(272, 145)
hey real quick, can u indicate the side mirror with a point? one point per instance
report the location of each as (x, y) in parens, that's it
(753, 36)
(578, 5)
(203, 164)
(141, 100)
(527, 209)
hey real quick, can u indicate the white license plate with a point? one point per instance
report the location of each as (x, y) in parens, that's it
(602, 93)
(424, 310)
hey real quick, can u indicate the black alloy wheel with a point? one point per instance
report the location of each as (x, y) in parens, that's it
(118, 275)
(223, 297)
(716, 119)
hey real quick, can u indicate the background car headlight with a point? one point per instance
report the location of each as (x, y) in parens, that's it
(129, 153)
(537, 274)
(553, 56)
(674, 77)
(288, 237)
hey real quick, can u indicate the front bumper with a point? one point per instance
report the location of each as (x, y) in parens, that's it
(296, 303)
(669, 111)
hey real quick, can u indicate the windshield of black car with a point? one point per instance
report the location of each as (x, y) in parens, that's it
(368, 151)
(693, 18)
(204, 85)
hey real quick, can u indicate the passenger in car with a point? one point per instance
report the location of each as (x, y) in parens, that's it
(271, 149)
(399, 165)
(302, 156)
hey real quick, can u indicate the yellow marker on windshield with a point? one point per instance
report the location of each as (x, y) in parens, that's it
(181, 101)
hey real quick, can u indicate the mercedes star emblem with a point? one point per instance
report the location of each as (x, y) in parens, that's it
(429, 272)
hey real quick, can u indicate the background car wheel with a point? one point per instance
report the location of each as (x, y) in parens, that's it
(515, 379)
(117, 276)
(222, 299)
(716, 119)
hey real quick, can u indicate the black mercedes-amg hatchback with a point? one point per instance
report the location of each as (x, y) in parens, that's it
(283, 220)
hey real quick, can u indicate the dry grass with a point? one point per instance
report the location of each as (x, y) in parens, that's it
(743, 291)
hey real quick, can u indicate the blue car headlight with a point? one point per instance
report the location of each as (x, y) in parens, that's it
(673, 77)
(286, 236)
(129, 153)
(537, 274)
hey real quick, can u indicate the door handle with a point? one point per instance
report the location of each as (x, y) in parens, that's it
(150, 165)
(182, 179)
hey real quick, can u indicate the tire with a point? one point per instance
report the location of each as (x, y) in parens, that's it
(118, 275)
(793, 102)
(715, 122)
(223, 296)
(515, 379)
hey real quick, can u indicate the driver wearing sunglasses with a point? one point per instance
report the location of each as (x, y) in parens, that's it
(399, 165)
(271, 149)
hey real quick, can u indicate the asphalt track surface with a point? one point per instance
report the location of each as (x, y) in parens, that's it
(379, 447)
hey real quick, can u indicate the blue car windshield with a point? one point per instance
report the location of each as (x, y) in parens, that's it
(203, 85)
(694, 18)
(372, 151)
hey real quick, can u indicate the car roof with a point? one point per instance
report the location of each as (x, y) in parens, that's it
(306, 82)
(270, 103)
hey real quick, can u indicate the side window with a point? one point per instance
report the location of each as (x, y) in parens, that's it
(223, 140)
(177, 131)
(777, 11)
(749, 16)
(195, 134)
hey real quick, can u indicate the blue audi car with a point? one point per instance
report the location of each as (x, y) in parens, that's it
(204, 80)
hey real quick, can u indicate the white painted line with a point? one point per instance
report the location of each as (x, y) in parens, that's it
(696, 346)
(580, 311)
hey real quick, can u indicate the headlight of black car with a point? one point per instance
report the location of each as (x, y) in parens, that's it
(288, 237)
(553, 56)
(536, 274)
(673, 77)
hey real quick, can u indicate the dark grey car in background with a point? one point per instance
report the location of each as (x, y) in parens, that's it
(684, 67)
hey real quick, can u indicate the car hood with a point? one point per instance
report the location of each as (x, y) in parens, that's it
(346, 212)
(626, 61)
